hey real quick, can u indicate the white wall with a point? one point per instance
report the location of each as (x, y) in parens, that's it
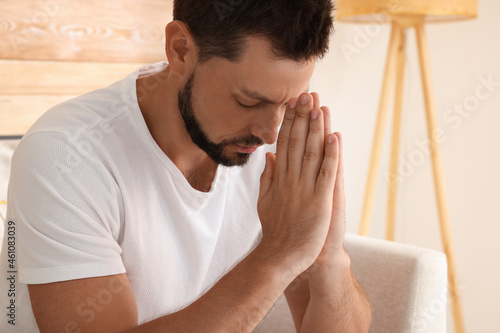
(461, 53)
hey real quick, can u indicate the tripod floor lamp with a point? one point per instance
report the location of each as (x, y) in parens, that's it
(402, 15)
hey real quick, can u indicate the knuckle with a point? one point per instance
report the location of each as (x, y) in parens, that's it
(294, 142)
(318, 129)
(310, 155)
(326, 173)
(333, 152)
(302, 113)
(289, 115)
(282, 140)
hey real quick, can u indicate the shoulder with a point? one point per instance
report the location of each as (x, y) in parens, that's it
(92, 109)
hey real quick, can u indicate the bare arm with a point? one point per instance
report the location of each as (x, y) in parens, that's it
(103, 304)
(329, 300)
(238, 302)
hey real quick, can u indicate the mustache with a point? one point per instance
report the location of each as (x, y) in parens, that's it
(248, 141)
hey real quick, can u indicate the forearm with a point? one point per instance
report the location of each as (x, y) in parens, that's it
(237, 303)
(297, 296)
(337, 303)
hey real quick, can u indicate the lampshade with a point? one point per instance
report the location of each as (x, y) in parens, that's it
(370, 11)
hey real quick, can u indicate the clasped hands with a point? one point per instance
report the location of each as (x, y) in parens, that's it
(302, 201)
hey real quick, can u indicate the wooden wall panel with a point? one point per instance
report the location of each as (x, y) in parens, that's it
(29, 88)
(84, 30)
(59, 78)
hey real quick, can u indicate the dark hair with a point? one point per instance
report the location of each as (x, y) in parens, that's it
(297, 29)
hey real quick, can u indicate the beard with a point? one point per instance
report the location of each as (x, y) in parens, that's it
(199, 137)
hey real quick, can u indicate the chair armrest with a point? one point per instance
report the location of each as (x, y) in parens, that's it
(406, 285)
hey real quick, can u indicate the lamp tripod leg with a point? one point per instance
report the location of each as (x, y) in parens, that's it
(390, 67)
(439, 179)
(393, 177)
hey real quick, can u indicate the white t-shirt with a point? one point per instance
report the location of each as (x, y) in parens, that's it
(91, 194)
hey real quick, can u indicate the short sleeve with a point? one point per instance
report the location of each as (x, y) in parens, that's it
(67, 208)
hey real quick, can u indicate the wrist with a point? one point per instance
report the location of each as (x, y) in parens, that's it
(330, 277)
(279, 267)
(333, 263)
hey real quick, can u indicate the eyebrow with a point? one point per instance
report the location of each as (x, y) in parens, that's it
(260, 97)
(256, 95)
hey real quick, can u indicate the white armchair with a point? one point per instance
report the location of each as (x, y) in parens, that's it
(406, 286)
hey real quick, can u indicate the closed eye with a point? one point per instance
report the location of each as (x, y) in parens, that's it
(246, 106)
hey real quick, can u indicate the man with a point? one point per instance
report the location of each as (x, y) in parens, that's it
(139, 208)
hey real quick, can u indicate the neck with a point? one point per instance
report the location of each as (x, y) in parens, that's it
(158, 104)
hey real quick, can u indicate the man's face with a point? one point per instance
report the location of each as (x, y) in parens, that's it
(216, 151)
(231, 108)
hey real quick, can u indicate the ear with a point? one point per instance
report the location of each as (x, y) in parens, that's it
(180, 48)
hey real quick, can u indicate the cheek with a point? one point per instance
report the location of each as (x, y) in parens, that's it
(216, 111)
(218, 118)
(229, 122)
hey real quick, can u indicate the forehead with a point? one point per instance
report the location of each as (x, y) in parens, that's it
(259, 71)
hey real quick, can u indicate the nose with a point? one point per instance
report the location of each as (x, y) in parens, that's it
(266, 124)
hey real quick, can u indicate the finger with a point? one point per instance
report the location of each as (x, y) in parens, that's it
(314, 151)
(328, 171)
(339, 200)
(341, 154)
(298, 135)
(327, 115)
(326, 112)
(267, 176)
(316, 100)
(337, 224)
(283, 137)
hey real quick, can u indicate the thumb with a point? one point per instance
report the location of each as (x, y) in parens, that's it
(267, 176)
